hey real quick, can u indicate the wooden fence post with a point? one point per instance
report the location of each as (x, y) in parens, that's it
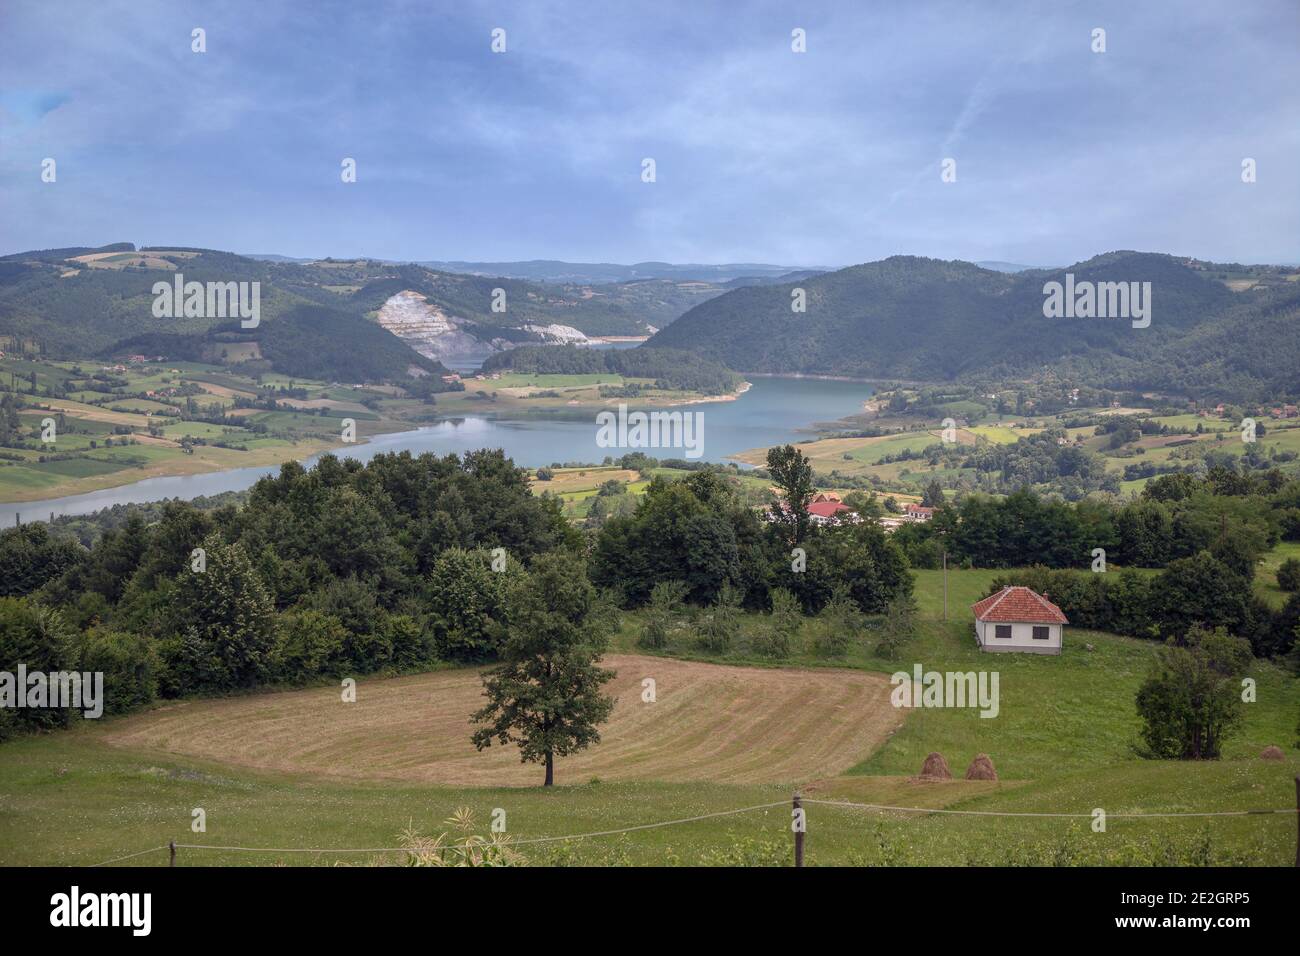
(172, 846)
(799, 827)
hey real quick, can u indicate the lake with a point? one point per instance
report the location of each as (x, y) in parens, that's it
(773, 411)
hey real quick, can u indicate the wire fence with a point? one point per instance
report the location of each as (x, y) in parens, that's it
(797, 802)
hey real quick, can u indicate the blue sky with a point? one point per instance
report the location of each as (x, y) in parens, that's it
(829, 157)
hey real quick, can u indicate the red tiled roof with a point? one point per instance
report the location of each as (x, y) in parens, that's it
(1020, 605)
(827, 509)
(920, 509)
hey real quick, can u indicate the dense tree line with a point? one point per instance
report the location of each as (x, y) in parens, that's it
(669, 368)
(1235, 516)
(344, 569)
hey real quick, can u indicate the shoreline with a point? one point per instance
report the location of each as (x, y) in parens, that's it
(270, 459)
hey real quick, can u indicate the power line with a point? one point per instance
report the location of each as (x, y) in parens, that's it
(129, 856)
(532, 841)
(1036, 813)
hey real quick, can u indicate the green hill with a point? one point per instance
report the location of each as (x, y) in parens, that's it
(927, 319)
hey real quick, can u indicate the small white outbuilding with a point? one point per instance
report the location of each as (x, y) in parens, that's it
(1019, 619)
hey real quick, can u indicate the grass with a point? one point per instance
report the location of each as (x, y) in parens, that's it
(1266, 585)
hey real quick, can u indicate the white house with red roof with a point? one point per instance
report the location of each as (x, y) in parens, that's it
(832, 512)
(915, 512)
(1019, 619)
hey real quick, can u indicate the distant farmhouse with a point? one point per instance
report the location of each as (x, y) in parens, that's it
(1019, 619)
(826, 508)
(915, 512)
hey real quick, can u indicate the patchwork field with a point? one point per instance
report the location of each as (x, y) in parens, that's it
(709, 722)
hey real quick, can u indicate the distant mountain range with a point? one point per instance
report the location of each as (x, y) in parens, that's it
(556, 271)
(77, 301)
(1216, 329)
(1229, 330)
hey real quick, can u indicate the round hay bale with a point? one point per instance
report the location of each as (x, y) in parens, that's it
(981, 768)
(1271, 752)
(935, 767)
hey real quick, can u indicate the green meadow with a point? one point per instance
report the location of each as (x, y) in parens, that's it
(1062, 743)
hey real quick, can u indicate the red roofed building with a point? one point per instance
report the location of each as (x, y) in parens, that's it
(1019, 619)
(832, 512)
(914, 512)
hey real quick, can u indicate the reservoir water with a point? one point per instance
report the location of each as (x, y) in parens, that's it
(773, 411)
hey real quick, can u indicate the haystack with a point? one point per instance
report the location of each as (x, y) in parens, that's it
(981, 768)
(1271, 752)
(935, 768)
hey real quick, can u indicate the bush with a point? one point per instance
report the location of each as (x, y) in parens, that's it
(721, 624)
(665, 608)
(837, 624)
(38, 638)
(1192, 700)
(899, 626)
(307, 644)
(467, 606)
(411, 646)
(130, 664)
(1288, 575)
(780, 633)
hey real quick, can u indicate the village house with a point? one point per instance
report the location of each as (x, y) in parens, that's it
(1019, 619)
(915, 512)
(450, 379)
(832, 512)
(824, 509)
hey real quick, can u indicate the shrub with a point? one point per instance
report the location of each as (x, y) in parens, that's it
(837, 624)
(665, 608)
(780, 632)
(307, 644)
(1192, 700)
(38, 638)
(467, 606)
(411, 646)
(721, 624)
(899, 626)
(1288, 575)
(130, 664)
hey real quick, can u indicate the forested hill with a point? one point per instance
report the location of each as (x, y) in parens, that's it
(79, 300)
(1225, 330)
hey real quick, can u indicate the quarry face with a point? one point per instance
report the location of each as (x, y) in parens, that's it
(435, 334)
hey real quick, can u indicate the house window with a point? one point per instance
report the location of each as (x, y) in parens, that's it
(1002, 632)
(1042, 633)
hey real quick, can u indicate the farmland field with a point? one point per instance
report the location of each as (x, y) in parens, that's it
(299, 769)
(709, 722)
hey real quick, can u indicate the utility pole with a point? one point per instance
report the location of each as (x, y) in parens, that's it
(799, 826)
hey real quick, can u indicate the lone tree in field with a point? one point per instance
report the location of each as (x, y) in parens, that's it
(545, 695)
(793, 474)
(1192, 700)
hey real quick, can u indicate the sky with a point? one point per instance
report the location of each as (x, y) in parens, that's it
(828, 157)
